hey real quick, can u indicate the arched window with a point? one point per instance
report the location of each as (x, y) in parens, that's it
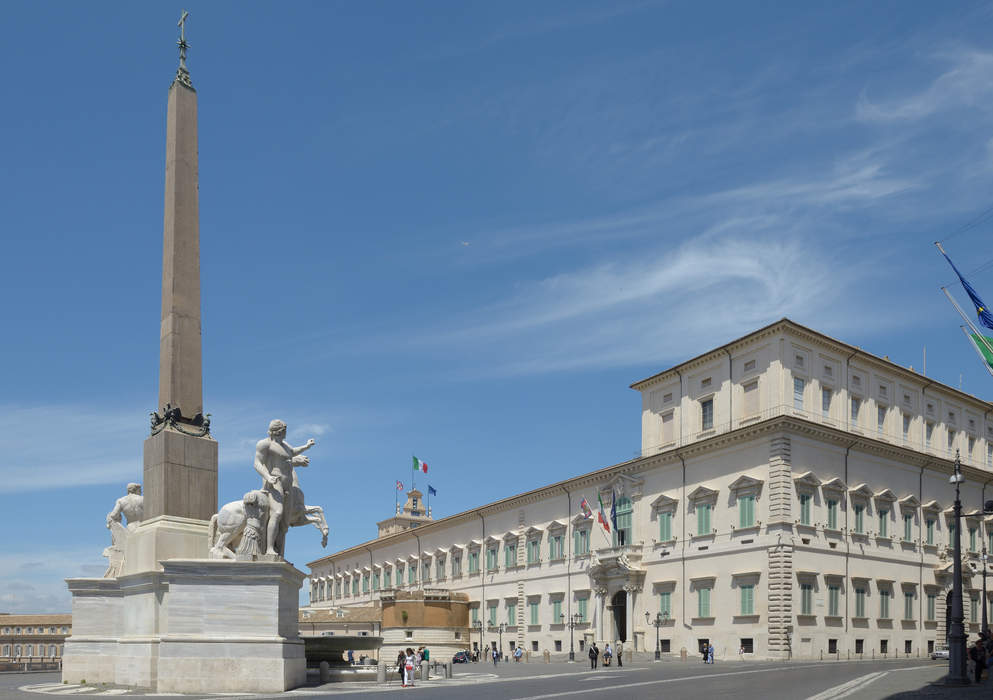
(622, 535)
(17, 650)
(41, 650)
(51, 651)
(29, 650)
(6, 650)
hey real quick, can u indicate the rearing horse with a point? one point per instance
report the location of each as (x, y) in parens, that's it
(228, 524)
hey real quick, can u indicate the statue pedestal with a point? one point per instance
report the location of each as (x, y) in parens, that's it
(196, 626)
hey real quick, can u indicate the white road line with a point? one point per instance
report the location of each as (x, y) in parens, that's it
(835, 691)
(115, 691)
(659, 682)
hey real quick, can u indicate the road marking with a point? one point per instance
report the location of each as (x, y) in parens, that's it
(847, 688)
(659, 682)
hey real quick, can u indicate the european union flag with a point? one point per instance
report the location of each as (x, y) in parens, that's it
(985, 317)
(431, 491)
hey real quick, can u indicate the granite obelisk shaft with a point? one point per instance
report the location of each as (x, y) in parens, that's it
(180, 362)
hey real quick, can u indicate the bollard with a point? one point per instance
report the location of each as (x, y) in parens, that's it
(449, 669)
(425, 673)
(380, 673)
(325, 672)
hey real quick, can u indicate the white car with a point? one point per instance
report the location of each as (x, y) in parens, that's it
(939, 654)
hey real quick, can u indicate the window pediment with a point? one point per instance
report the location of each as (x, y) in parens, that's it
(807, 480)
(702, 493)
(492, 539)
(885, 496)
(624, 486)
(932, 507)
(511, 538)
(835, 484)
(580, 520)
(861, 491)
(533, 533)
(557, 526)
(664, 502)
(745, 483)
(909, 501)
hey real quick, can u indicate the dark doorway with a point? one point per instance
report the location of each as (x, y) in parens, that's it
(619, 606)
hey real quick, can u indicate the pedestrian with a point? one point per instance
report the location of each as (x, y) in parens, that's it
(408, 667)
(608, 654)
(351, 657)
(619, 648)
(401, 662)
(703, 650)
(594, 655)
(710, 653)
(978, 656)
(496, 657)
(518, 653)
(425, 654)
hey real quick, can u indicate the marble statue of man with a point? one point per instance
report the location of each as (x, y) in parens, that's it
(274, 461)
(132, 507)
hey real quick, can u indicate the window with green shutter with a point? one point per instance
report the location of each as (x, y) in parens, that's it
(972, 539)
(665, 527)
(622, 533)
(884, 517)
(583, 605)
(748, 600)
(510, 555)
(806, 599)
(557, 618)
(859, 602)
(884, 604)
(439, 567)
(533, 608)
(932, 600)
(929, 525)
(908, 605)
(534, 551)
(355, 586)
(908, 527)
(493, 614)
(832, 513)
(388, 579)
(411, 574)
(475, 614)
(375, 582)
(859, 523)
(665, 603)
(974, 608)
(491, 558)
(511, 614)
(581, 541)
(473, 562)
(834, 595)
(703, 602)
(555, 549)
(703, 518)
(805, 499)
(746, 511)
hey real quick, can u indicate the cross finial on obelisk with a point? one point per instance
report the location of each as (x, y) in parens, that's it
(183, 75)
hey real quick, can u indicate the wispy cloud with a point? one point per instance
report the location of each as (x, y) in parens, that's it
(34, 582)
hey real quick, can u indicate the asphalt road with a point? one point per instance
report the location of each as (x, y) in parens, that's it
(768, 680)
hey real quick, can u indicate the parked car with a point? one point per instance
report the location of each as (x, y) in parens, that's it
(939, 654)
(461, 657)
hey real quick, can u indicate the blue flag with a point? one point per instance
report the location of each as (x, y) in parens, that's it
(985, 317)
(613, 509)
(431, 491)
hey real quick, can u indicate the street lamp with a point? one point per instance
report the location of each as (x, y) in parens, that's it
(956, 629)
(478, 624)
(660, 620)
(503, 626)
(575, 621)
(986, 626)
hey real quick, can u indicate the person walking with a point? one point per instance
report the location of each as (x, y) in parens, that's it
(408, 667)
(351, 657)
(518, 653)
(401, 662)
(620, 653)
(978, 656)
(710, 653)
(594, 655)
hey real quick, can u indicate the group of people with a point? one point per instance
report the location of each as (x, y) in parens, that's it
(981, 654)
(608, 654)
(408, 661)
(708, 652)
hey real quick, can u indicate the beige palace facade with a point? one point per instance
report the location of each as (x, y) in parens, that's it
(791, 499)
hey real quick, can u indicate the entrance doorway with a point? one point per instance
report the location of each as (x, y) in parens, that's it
(619, 607)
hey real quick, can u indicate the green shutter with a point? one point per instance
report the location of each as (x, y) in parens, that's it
(703, 602)
(665, 527)
(665, 603)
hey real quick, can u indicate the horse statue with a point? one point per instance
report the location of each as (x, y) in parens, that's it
(237, 531)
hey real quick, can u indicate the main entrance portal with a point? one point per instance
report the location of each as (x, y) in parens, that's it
(619, 608)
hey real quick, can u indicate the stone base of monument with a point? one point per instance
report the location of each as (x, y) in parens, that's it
(196, 626)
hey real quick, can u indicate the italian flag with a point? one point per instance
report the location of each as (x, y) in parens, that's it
(420, 466)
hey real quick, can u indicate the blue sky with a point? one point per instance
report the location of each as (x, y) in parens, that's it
(460, 230)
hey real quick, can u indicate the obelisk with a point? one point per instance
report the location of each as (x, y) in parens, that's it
(180, 457)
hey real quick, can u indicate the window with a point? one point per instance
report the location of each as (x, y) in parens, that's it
(703, 602)
(908, 605)
(798, 360)
(707, 414)
(906, 426)
(859, 524)
(581, 541)
(834, 595)
(908, 527)
(880, 419)
(512, 614)
(622, 533)
(806, 599)
(667, 428)
(884, 604)
(665, 603)
(703, 518)
(555, 549)
(751, 398)
(375, 578)
(557, 617)
(456, 566)
(884, 516)
(411, 574)
(491, 558)
(439, 568)
(473, 562)
(510, 555)
(748, 600)
(798, 393)
(534, 551)
(951, 440)
(746, 511)
(972, 445)
(355, 585)
(989, 541)
(932, 599)
(974, 608)
(972, 539)
(750, 365)
(533, 611)
(6, 650)
(832, 513)
(388, 577)
(928, 432)
(805, 499)
(337, 589)
(826, 402)
(859, 602)
(856, 403)
(583, 605)
(989, 455)
(929, 527)
(705, 383)
(492, 610)
(665, 527)
(475, 613)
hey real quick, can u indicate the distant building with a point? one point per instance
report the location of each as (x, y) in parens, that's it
(33, 637)
(791, 498)
(410, 515)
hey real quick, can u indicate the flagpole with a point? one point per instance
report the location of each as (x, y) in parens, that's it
(965, 318)
(975, 347)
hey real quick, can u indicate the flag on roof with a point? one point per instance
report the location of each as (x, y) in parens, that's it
(431, 491)
(613, 509)
(399, 486)
(587, 511)
(982, 310)
(420, 466)
(983, 345)
(601, 515)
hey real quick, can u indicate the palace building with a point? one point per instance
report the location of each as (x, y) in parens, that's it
(791, 499)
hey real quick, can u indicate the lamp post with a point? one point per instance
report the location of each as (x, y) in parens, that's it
(575, 621)
(986, 626)
(478, 624)
(503, 626)
(660, 620)
(956, 630)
